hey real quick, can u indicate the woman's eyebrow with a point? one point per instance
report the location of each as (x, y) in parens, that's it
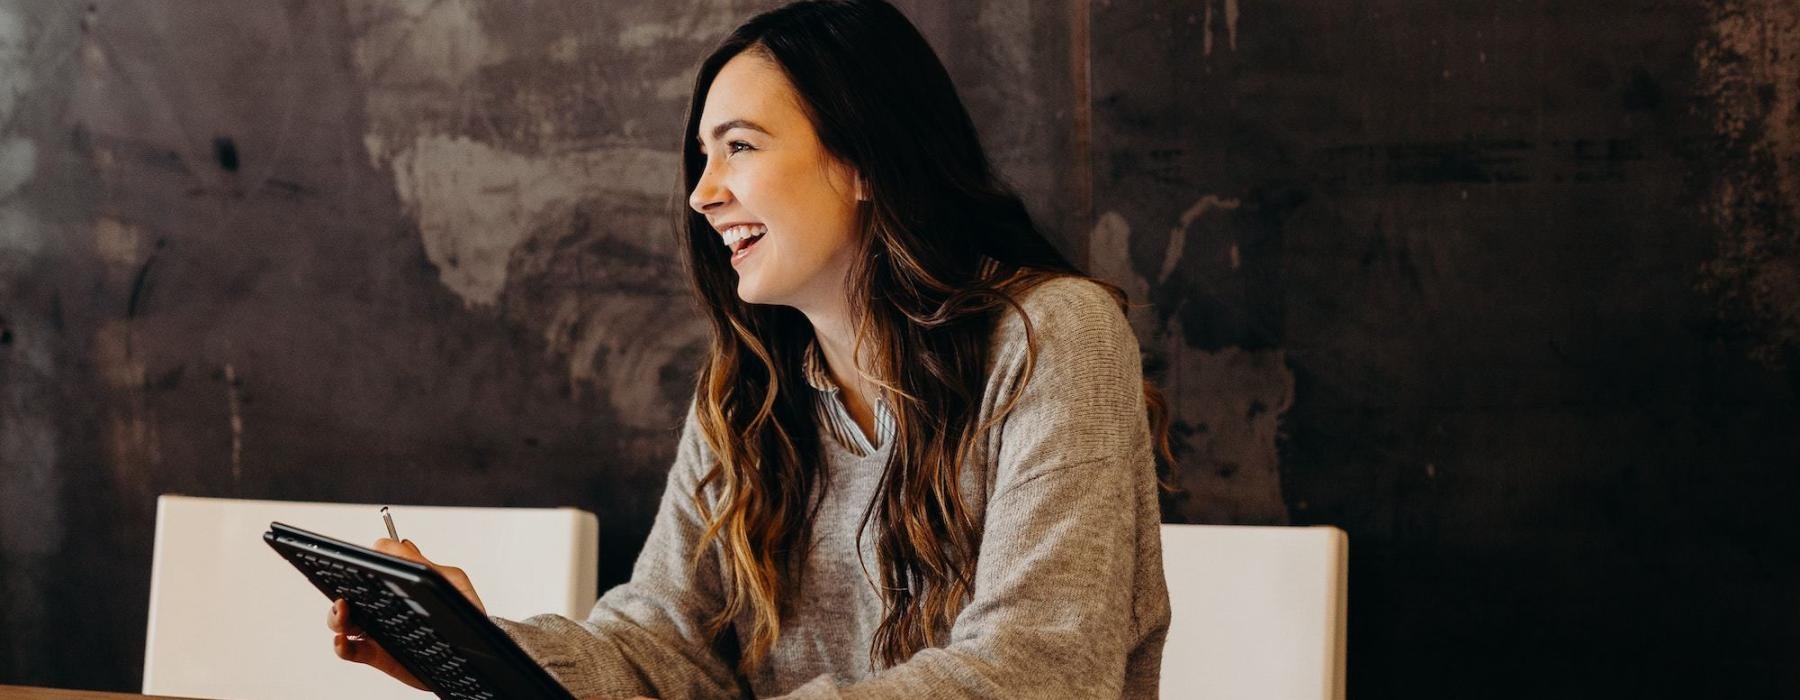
(719, 131)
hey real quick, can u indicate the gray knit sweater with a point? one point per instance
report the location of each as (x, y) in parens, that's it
(1069, 600)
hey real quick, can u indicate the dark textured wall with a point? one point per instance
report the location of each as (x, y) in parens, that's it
(1478, 253)
(1510, 291)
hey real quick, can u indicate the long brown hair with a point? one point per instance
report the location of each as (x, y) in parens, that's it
(923, 308)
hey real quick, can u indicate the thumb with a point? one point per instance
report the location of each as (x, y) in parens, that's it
(413, 549)
(404, 549)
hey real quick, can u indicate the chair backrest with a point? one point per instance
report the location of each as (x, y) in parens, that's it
(1256, 612)
(229, 618)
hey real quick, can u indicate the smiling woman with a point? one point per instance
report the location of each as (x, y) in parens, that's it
(920, 460)
(770, 184)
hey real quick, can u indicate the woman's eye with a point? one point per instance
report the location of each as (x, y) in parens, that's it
(739, 147)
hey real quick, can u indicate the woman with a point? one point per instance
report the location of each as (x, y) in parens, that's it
(918, 462)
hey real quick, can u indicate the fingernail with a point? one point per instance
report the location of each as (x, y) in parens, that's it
(409, 545)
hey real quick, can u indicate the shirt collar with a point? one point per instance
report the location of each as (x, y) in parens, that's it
(812, 366)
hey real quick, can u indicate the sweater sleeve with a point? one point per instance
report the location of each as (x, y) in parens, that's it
(646, 636)
(1052, 613)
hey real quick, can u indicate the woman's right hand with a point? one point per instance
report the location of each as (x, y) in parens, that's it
(350, 642)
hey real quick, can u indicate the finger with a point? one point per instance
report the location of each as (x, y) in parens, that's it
(369, 653)
(338, 619)
(397, 549)
(404, 549)
(362, 651)
(393, 547)
(348, 649)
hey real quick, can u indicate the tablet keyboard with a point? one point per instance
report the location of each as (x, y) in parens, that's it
(399, 622)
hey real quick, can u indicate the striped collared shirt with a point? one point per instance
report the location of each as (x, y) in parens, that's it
(830, 409)
(834, 417)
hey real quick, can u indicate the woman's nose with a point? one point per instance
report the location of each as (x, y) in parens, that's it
(708, 194)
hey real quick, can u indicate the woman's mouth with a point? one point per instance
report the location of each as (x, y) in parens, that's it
(742, 238)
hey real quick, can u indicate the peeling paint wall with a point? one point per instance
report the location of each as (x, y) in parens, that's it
(1750, 67)
(1508, 291)
(1502, 289)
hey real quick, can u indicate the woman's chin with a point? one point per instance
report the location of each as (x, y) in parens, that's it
(752, 293)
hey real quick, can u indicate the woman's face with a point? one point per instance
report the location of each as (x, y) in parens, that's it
(773, 194)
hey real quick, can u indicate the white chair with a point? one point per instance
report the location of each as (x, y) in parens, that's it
(1256, 612)
(229, 618)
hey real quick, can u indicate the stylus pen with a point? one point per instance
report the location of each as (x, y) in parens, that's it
(389, 519)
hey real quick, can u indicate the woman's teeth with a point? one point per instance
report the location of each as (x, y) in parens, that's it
(737, 234)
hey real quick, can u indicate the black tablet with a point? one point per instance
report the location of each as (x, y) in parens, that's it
(418, 617)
